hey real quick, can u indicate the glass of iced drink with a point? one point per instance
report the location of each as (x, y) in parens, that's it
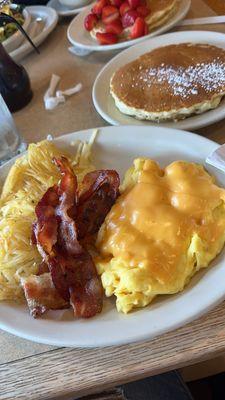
(10, 139)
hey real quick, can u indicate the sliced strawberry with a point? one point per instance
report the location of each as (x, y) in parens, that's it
(107, 38)
(116, 3)
(115, 27)
(90, 21)
(124, 8)
(109, 14)
(138, 29)
(134, 3)
(129, 18)
(143, 11)
(98, 6)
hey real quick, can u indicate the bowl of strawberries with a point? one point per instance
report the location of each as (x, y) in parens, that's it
(113, 21)
(115, 24)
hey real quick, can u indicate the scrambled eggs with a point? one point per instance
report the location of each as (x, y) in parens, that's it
(165, 226)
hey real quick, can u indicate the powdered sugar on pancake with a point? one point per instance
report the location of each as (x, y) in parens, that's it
(185, 81)
(171, 82)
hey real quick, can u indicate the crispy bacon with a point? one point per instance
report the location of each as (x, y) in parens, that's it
(66, 208)
(65, 216)
(45, 229)
(41, 294)
(99, 192)
(42, 268)
(77, 281)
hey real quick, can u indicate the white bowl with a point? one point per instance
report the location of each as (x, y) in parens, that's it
(14, 41)
(74, 3)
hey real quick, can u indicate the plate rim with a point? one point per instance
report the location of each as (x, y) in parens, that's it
(135, 121)
(142, 336)
(184, 8)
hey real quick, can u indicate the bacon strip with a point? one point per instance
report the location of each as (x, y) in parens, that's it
(42, 268)
(45, 229)
(74, 274)
(65, 216)
(66, 208)
(77, 281)
(41, 294)
(100, 190)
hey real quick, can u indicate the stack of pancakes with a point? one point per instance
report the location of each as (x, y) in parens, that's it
(161, 11)
(171, 82)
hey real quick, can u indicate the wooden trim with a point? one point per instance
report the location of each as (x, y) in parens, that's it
(61, 373)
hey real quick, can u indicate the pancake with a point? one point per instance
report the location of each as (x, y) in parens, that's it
(165, 226)
(171, 82)
(161, 11)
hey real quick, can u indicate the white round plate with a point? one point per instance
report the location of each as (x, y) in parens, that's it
(64, 11)
(78, 36)
(16, 39)
(48, 19)
(116, 147)
(105, 104)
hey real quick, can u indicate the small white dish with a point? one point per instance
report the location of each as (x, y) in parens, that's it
(74, 3)
(116, 147)
(78, 36)
(105, 104)
(16, 39)
(64, 11)
(48, 20)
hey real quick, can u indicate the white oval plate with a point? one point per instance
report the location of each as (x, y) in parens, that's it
(105, 104)
(49, 19)
(16, 39)
(64, 11)
(78, 36)
(116, 147)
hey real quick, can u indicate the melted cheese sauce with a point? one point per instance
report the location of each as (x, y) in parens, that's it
(152, 224)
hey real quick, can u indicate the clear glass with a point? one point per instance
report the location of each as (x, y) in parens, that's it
(10, 140)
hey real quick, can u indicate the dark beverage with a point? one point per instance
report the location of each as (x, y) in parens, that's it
(14, 82)
(15, 85)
